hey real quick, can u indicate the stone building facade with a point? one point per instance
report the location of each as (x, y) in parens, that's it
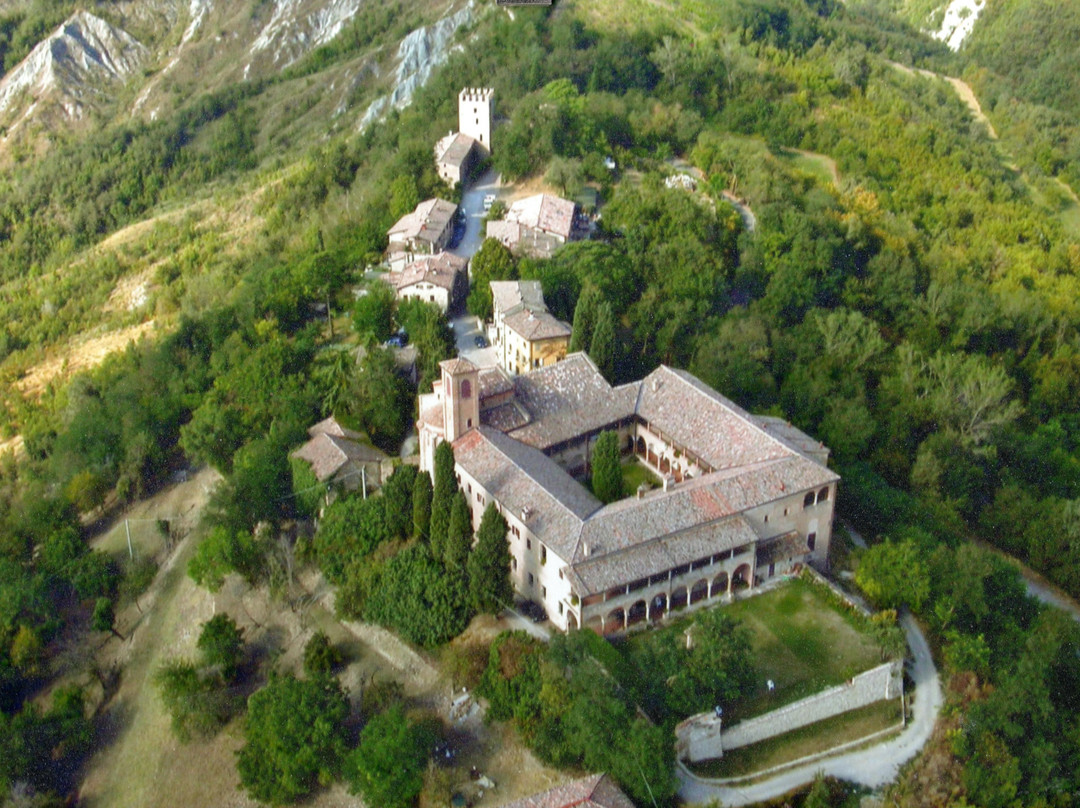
(738, 503)
(527, 335)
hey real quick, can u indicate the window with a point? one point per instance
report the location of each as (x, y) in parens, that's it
(515, 531)
(560, 575)
(785, 511)
(823, 494)
(513, 563)
(468, 423)
(808, 500)
(530, 579)
(479, 498)
(543, 554)
(560, 607)
(543, 592)
(528, 543)
(811, 540)
(766, 518)
(466, 385)
(469, 487)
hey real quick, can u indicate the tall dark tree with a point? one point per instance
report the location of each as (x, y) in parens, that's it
(373, 313)
(459, 534)
(104, 617)
(490, 588)
(442, 498)
(585, 318)
(421, 506)
(602, 345)
(380, 398)
(607, 482)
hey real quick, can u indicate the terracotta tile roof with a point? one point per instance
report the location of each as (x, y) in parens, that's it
(427, 222)
(494, 382)
(594, 791)
(529, 484)
(328, 454)
(549, 214)
(790, 545)
(505, 418)
(698, 418)
(453, 150)
(457, 365)
(511, 296)
(568, 399)
(537, 325)
(793, 437)
(441, 269)
(509, 233)
(330, 426)
(597, 574)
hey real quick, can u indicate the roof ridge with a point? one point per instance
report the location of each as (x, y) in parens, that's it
(727, 404)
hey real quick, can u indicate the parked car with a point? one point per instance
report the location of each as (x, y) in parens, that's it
(533, 610)
(398, 340)
(479, 341)
(489, 200)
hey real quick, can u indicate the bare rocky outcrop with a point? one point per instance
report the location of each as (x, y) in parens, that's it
(296, 27)
(418, 55)
(70, 69)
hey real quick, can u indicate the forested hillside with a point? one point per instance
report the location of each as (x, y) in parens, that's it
(910, 295)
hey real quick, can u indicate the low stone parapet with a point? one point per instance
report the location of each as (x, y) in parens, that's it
(703, 736)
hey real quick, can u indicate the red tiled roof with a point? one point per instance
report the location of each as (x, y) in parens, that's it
(594, 791)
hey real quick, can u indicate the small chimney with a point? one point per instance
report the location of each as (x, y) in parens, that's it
(526, 512)
(668, 482)
(585, 549)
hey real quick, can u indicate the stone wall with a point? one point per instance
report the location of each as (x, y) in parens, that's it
(702, 736)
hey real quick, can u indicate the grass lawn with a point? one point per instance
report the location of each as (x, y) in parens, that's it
(820, 166)
(799, 743)
(802, 643)
(634, 473)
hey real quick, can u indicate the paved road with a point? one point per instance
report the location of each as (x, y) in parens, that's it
(871, 767)
(472, 202)
(466, 330)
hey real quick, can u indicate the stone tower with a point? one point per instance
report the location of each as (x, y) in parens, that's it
(476, 108)
(461, 397)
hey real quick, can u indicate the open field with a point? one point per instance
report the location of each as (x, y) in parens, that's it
(802, 643)
(817, 165)
(800, 743)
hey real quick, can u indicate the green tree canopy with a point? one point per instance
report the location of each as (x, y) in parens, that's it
(421, 502)
(387, 766)
(893, 574)
(294, 738)
(373, 312)
(221, 643)
(492, 262)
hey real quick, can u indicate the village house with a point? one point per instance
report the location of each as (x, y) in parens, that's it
(594, 791)
(527, 335)
(536, 226)
(337, 457)
(457, 154)
(425, 231)
(441, 279)
(739, 499)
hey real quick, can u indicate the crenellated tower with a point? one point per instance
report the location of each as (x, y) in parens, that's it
(476, 110)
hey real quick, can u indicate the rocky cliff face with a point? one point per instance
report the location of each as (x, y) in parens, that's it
(418, 54)
(69, 71)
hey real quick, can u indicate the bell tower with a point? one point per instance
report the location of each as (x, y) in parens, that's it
(476, 109)
(461, 397)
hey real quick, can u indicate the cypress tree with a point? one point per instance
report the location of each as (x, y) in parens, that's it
(606, 475)
(490, 588)
(602, 347)
(421, 506)
(584, 318)
(442, 498)
(459, 534)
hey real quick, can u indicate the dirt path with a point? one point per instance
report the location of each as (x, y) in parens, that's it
(960, 87)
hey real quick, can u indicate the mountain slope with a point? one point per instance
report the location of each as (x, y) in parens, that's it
(68, 73)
